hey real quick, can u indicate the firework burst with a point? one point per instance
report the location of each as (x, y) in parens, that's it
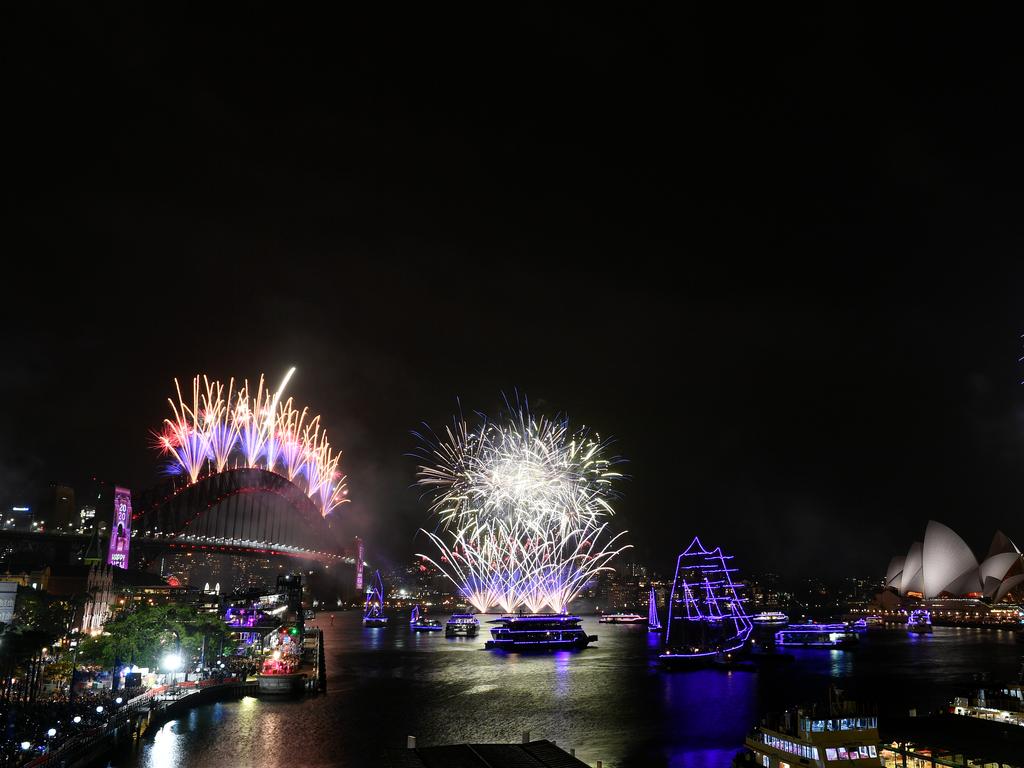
(521, 504)
(218, 427)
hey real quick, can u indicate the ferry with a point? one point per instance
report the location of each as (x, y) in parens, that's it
(816, 636)
(622, 618)
(539, 632)
(806, 740)
(419, 624)
(919, 622)
(462, 625)
(770, 617)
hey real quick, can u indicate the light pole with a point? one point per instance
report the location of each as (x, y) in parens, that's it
(172, 663)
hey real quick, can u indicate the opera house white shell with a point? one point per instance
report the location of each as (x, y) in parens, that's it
(944, 566)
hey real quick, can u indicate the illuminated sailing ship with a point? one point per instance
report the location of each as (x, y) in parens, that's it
(373, 610)
(706, 621)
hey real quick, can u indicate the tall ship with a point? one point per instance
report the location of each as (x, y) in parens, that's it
(706, 620)
(797, 738)
(373, 609)
(539, 632)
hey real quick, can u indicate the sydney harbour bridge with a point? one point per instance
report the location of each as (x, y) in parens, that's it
(250, 476)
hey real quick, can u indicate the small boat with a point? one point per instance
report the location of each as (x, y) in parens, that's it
(860, 625)
(919, 622)
(816, 636)
(653, 622)
(419, 624)
(462, 625)
(539, 632)
(770, 617)
(622, 618)
(874, 621)
(373, 609)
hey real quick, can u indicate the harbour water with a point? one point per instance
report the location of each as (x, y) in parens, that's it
(611, 702)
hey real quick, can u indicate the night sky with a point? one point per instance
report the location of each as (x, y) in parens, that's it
(777, 258)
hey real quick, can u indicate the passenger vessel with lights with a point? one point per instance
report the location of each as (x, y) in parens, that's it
(831, 636)
(539, 632)
(462, 625)
(798, 738)
(919, 622)
(622, 618)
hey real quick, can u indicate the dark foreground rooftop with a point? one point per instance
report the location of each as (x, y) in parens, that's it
(981, 740)
(534, 754)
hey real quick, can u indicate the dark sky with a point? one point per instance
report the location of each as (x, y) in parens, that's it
(778, 258)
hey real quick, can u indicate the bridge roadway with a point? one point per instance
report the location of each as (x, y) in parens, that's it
(151, 544)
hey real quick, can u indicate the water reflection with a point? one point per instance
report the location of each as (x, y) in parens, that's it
(612, 702)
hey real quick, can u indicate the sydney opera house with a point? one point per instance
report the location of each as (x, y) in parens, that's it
(944, 573)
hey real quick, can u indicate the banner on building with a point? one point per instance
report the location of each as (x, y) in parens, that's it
(359, 564)
(120, 529)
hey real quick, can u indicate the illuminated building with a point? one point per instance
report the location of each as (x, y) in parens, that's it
(944, 566)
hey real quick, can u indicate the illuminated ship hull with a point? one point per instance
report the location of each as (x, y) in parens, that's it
(539, 632)
(427, 625)
(622, 618)
(706, 621)
(462, 625)
(829, 636)
(770, 618)
(919, 622)
(375, 621)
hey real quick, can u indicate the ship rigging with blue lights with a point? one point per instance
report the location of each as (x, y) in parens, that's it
(373, 609)
(706, 620)
(539, 632)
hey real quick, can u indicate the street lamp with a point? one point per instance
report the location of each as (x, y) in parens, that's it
(76, 719)
(172, 663)
(26, 745)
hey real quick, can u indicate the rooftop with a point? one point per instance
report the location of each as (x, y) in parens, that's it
(534, 754)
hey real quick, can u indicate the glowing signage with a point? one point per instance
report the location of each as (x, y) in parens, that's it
(359, 564)
(120, 529)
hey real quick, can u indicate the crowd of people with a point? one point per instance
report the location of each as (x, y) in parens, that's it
(30, 729)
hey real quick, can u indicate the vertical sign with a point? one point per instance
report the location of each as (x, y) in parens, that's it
(120, 529)
(359, 564)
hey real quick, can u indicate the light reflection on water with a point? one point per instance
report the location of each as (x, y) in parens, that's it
(612, 702)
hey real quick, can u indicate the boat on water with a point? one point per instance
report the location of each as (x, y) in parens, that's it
(860, 625)
(831, 636)
(919, 622)
(373, 608)
(874, 621)
(653, 622)
(539, 632)
(706, 621)
(462, 625)
(417, 623)
(798, 738)
(622, 618)
(770, 618)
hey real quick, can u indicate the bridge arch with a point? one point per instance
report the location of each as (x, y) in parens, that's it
(243, 509)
